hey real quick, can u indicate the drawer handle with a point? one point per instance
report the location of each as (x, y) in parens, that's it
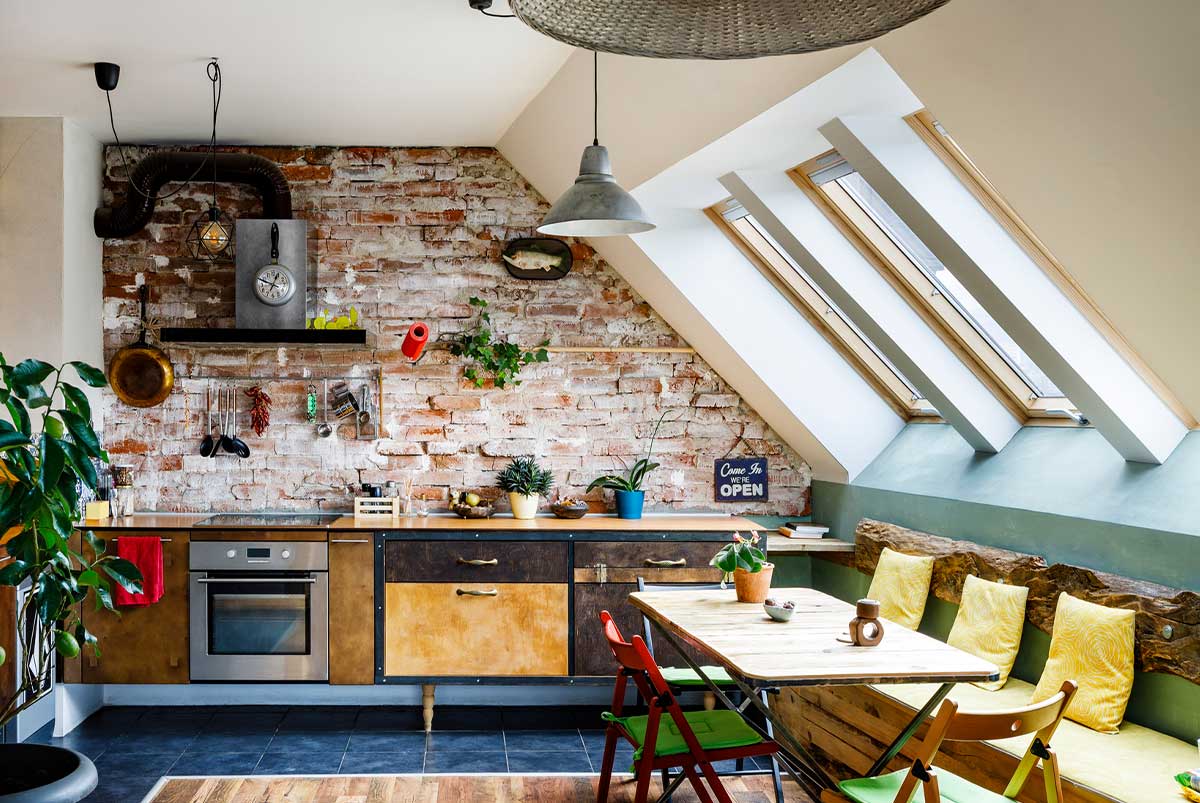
(663, 564)
(465, 562)
(349, 541)
(491, 592)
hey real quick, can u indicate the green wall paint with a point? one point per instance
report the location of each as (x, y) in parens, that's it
(1062, 493)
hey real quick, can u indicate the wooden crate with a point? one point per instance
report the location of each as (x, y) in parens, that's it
(374, 508)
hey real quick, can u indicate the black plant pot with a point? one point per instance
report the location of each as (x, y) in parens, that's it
(39, 773)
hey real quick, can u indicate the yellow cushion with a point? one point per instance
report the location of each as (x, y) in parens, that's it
(901, 585)
(990, 619)
(1093, 646)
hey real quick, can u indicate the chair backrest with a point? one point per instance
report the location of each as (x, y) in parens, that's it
(1040, 719)
(644, 586)
(625, 653)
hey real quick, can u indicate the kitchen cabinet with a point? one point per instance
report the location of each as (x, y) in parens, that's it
(491, 561)
(476, 629)
(351, 609)
(606, 573)
(144, 644)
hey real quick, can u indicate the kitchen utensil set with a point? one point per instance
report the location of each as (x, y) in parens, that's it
(222, 433)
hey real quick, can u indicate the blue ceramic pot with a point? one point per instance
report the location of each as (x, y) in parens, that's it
(629, 504)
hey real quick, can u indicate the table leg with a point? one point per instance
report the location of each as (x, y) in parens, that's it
(894, 748)
(814, 778)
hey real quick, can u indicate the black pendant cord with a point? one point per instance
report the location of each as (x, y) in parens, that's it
(497, 16)
(595, 98)
(216, 81)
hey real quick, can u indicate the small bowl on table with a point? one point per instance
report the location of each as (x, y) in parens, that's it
(573, 510)
(779, 611)
(472, 511)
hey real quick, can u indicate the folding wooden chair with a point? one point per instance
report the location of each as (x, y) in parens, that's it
(690, 742)
(685, 679)
(950, 724)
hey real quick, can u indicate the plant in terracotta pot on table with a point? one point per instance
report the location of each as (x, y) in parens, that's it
(525, 482)
(47, 446)
(742, 561)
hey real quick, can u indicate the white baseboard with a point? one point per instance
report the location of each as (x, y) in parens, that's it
(321, 694)
(73, 703)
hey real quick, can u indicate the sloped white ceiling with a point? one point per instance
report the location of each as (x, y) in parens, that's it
(379, 72)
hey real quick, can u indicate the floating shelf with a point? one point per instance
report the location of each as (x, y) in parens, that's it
(299, 337)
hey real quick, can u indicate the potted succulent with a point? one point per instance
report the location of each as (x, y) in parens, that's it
(627, 489)
(524, 481)
(42, 474)
(746, 564)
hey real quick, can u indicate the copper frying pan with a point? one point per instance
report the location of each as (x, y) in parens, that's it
(140, 374)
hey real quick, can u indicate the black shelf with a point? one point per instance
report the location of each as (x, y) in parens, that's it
(299, 337)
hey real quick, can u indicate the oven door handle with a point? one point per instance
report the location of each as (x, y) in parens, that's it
(256, 580)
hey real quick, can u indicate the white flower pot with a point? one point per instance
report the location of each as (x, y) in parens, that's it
(523, 507)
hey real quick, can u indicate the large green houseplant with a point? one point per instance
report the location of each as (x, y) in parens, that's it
(47, 449)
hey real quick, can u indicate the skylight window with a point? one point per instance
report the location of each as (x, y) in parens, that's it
(893, 247)
(749, 235)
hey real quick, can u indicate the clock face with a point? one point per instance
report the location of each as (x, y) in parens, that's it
(273, 285)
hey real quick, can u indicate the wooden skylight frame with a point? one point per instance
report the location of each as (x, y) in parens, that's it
(810, 303)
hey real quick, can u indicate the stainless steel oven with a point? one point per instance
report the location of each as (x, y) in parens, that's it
(259, 610)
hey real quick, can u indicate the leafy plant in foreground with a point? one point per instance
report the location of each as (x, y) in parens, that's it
(40, 479)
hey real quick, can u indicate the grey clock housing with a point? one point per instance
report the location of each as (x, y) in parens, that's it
(253, 254)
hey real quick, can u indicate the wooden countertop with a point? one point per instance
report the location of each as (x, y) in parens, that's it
(590, 523)
(438, 522)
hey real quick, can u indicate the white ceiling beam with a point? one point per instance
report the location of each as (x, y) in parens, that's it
(874, 306)
(784, 368)
(1008, 284)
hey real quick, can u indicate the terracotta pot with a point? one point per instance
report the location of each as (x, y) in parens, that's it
(753, 586)
(523, 507)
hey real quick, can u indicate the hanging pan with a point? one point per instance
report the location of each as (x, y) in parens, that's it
(140, 374)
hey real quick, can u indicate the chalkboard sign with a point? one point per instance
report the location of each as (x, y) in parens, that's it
(741, 479)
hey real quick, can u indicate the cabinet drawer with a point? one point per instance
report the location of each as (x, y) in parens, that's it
(646, 554)
(475, 629)
(475, 561)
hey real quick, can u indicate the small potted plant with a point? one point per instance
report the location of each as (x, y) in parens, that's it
(627, 489)
(742, 560)
(46, 451)
(524, 481)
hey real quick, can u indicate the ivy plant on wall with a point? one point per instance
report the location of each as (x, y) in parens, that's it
(494, 357)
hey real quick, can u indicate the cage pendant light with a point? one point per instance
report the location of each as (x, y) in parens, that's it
(595, 205)
(210, 236)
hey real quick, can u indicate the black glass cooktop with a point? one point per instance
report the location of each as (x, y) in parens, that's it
(269, 520)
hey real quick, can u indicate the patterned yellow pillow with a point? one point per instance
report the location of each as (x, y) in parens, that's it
(990, 619)
(1093, 646)
(901, 585)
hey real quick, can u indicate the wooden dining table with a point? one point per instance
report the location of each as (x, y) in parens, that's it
(760, 653)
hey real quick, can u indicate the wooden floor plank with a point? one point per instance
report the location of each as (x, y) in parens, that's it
(439, 789)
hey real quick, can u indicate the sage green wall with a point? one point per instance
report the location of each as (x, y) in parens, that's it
(1062, 493)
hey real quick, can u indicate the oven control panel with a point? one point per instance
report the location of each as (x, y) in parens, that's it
(258, 555)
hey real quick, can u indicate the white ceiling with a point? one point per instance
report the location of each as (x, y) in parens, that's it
(379, 72)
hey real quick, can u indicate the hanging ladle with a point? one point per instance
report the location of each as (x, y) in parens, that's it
(208, 446)
(323, 429)
(232, 443)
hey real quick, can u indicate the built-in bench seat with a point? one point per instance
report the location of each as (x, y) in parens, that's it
(1135, 765)
(848, 727)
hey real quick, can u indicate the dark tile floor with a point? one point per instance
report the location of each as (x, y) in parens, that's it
(134, 747)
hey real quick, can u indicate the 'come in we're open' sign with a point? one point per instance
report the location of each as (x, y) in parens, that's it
(741, 479)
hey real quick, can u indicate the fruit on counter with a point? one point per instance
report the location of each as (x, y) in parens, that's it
(472, 499)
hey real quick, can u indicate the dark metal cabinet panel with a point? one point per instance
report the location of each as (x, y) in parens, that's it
(592, 655)
(646, 554)
(476, 561)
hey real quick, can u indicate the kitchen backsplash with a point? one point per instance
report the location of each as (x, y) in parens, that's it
(408, 234)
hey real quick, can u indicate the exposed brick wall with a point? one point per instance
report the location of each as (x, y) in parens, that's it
(410, 234)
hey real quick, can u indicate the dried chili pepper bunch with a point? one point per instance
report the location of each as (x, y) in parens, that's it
(260, 410)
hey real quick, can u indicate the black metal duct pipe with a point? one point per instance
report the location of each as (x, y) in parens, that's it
(163, 167)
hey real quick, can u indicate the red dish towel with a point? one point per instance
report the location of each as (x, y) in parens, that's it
(145, 552)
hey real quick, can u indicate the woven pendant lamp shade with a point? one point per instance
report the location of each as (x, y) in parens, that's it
(717, 29)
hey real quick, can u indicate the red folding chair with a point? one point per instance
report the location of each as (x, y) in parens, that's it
(689, 741)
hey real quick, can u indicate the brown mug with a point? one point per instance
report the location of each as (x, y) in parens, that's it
(865, 629)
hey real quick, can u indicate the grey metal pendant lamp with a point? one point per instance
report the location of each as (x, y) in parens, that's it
(595, 205)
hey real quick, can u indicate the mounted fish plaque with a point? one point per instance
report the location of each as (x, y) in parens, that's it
(741, 479)
(537, 258)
